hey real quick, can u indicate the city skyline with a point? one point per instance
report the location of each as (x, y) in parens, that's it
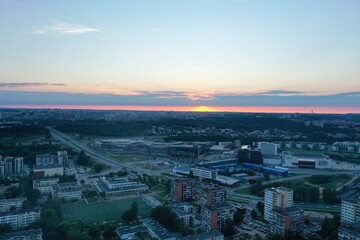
(230, 55)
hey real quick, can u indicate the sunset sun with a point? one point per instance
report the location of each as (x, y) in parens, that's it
(204, 109)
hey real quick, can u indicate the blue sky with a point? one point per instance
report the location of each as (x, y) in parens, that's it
(180, 52)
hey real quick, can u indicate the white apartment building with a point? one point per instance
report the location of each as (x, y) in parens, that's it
(20, 219)
(32, 234)
(280, 197)
(7, 205)
(204, 173)
(350, 211)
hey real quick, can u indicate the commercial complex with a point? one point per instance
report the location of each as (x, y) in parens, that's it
(48, 170)
(204, 173)
(268, 149)
(306, 160)
(120, 186)
(45, 185)
(182, 190)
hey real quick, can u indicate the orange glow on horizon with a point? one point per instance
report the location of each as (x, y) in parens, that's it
(253, 109)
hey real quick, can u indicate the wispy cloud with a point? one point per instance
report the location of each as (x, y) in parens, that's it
(282, 92)
(65, 29)
(31, 84)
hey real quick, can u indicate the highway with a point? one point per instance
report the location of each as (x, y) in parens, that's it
(97, 156)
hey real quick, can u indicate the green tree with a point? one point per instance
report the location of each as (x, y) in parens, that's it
(266, 176)
(94, 232)
(260, 207)
(253, 214)
(98, 168)
(5, 228)
(238, 217)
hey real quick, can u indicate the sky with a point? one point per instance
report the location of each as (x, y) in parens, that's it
(225, 54)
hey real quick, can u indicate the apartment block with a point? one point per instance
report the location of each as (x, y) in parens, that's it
(20, 219)
(277, 197)
(32, 234)
(182, 190)
(45, 185)
(185, 212)
(286, 219)
(11, 166)
(350, 220)
(214, 216)
(212, 194)
(12, 204)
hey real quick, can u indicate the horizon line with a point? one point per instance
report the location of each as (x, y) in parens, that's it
(205, 109)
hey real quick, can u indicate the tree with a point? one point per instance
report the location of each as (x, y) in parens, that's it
(109, 233)
(83, 159)
(260, 207)
(307, 221)
(131, 214)
(94, 232)
(98, 168)
(238, 217)
(5, 228)
(329, 195)
(253, 214)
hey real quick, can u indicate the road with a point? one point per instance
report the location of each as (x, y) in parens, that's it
(97, 156)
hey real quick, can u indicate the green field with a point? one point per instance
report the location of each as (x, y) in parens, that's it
(105, 211)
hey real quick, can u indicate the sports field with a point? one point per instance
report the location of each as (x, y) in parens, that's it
(105, 211)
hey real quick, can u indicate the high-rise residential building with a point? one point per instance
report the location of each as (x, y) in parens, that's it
(277, 197)
(350, 220)
(214, 216)
(62, 157)
(11, 166)
(212, 194)
(350, 211)
(45, 159)
(286, 219)
(182, 190)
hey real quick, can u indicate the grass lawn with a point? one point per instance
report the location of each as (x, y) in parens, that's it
(161, 193)
(245, 191)
(105, 211)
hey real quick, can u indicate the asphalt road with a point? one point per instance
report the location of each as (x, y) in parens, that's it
(97, 156)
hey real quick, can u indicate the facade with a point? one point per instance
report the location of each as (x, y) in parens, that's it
(214, 216)
(48, 170)
(268, 149)
(20, 219)
(210, 235)
(286, 219)
(11, 166)
(303, 160)
(158, 231)
(185, 212)
(120, 186)
(62, 157)
(45, 159)
(211, 195)
(68, 191)
(350, 211)
(277, 197)
(349, 233)
(32, 234)
(12, 204)
(45, 185)
(350, 220)
(182, 190)
(204, 173)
